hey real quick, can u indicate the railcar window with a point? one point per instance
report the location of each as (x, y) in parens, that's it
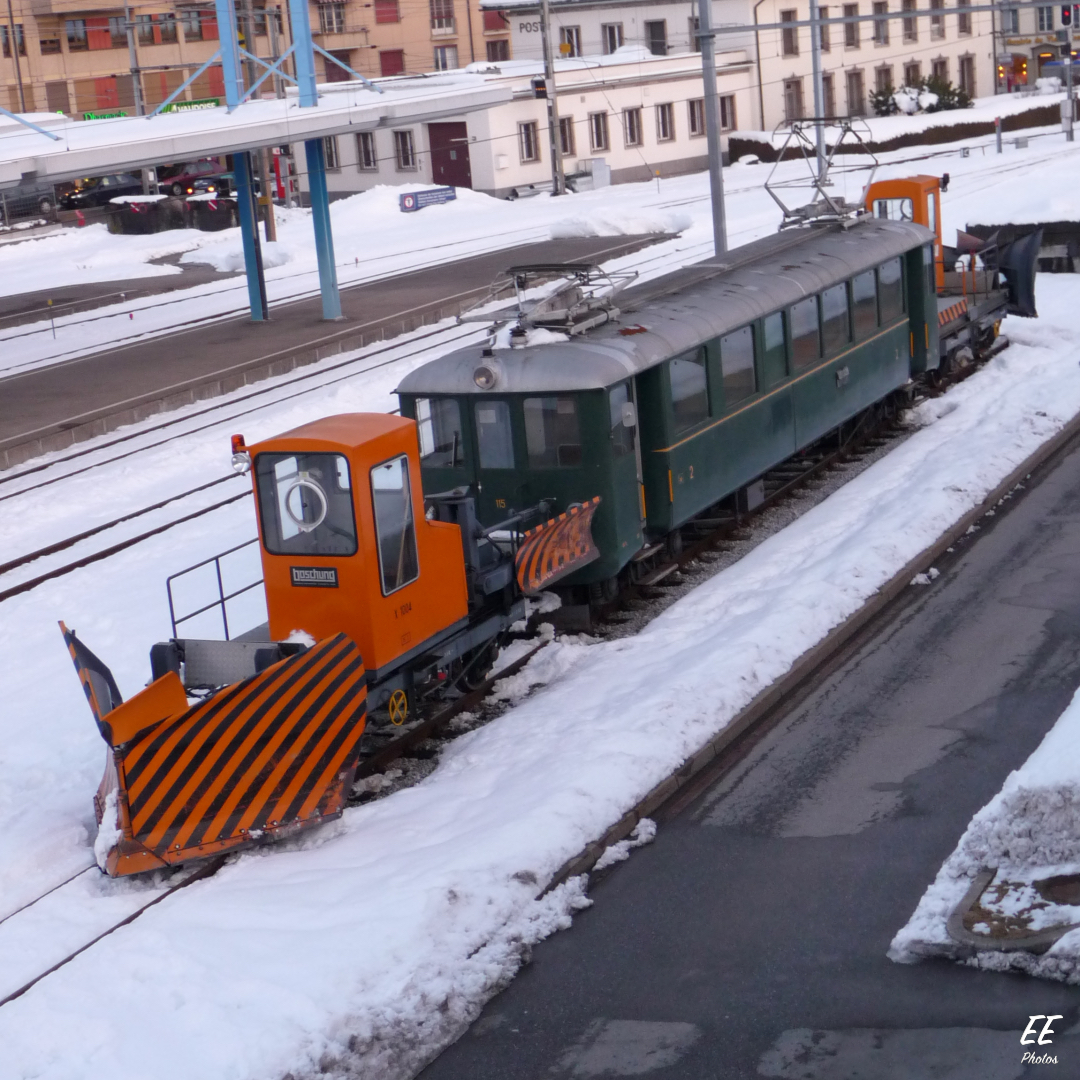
(864, 304)
(689, 390)
(439, 424)
(551, 432)
(494, 436)
(928, 266)
(622, 437)
(737, 365)
(894, 209)
(835, 329)
(891, 290)
(394, 526)
(305, 504)
(773, 352)
(805, 343)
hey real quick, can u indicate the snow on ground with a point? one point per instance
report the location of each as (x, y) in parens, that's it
(371, 943)
(1029, 832)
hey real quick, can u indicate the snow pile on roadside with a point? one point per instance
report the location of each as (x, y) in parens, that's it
(1029, 832)
(231, 259)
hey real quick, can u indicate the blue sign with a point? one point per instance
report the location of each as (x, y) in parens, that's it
(417, 200)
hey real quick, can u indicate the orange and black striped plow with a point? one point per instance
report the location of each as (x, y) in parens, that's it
(558, 547)
(261, 759)
(953, 311)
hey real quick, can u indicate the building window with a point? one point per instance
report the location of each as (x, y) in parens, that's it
(963, 22)
(697, 116)
(392, 62)
(695, 41)
(330, 152)
(76, 35)
(404, 152)
(823, 30)
(911, 26)
(386, 11)
(881, 26)
(883, 78)
(632, 127)
(939, 69)
(1046, 19)
(566, 137)
(49, 47)
(496, 22)
(598, 131)
(789, 35)
(937, 27)
(967, 75)
(611, 37)
(528, 145)
(144, 29)
(166, 28)
(445, 57)
(366, 158)
(852, 37)
(1010, 21)
(190, 20)
(20, 41)
(656, 37)
(856, 94)
(331, 18)
(570, 40)
(665, 122)
(498, 51)
(727, 112)
(828, 92)
(118, 30)
(793, 100)
(442, 15)
(912, 74)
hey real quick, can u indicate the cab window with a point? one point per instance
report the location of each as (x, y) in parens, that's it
(551, 432)
(394, 528)
(305, 504)
(438, 423)
(494, 436)
(689, 390)
(894, 209)
(622, 436)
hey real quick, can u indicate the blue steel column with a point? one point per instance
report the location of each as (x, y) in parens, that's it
(245, 196)
(316, 161)
(249, 232)
(324, 237)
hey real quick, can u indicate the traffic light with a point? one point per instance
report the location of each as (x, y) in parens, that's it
(1066, 14)
(539, 88)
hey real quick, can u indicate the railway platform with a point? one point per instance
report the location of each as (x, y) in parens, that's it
(52, 407)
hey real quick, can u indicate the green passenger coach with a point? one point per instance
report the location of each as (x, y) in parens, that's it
(701, 383)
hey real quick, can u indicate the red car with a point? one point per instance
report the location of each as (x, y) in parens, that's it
(180, 179)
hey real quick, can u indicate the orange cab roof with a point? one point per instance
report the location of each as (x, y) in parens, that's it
(335, 432)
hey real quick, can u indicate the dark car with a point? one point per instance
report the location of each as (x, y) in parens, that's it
(27, 200)
(223, 184)
(98, 190)
(179, 179)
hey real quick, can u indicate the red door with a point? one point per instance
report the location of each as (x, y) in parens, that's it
(450, 155)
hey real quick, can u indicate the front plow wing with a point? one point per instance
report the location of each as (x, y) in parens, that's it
(557, 548)
(259, 760)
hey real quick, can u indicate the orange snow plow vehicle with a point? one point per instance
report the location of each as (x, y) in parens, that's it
(373, 592)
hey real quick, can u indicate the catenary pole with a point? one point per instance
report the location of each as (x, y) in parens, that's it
(558, 180)
(819, 90)
(712, 125)
(15, 57)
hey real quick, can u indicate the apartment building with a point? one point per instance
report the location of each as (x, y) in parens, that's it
(74, 56)
(1032, 44)
(895, 44)
(638, 115)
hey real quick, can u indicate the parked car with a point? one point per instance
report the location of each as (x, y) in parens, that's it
(178, 179)
(27, 200)
(224, 184)
(98, 190)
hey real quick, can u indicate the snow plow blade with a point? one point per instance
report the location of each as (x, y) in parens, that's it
(1018, 262)
(257, 761)
(557, 548)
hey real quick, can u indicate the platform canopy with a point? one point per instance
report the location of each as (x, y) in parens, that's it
(94, 147)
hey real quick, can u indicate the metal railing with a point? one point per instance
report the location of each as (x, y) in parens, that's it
(222, 598)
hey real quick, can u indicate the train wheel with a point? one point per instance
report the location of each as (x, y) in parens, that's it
(673, 544)
(604, 592)
(472, 670)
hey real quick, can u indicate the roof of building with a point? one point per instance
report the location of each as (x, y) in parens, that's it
(679, 312)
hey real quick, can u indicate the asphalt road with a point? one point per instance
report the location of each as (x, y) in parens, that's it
(749, 939)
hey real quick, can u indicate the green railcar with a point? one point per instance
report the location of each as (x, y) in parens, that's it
(700, 384)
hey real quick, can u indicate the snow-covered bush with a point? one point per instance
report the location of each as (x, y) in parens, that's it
(926, 96)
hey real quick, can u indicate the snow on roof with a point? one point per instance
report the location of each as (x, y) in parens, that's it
(90, 147)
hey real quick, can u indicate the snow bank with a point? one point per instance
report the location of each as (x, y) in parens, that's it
(1029, 831)
(231, 259)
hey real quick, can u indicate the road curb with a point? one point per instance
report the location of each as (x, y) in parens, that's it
(807, 664)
